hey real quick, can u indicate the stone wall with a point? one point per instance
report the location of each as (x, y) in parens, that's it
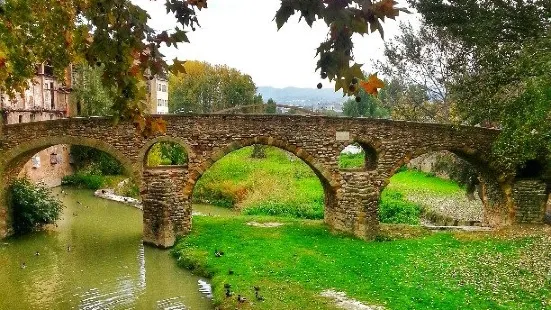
(532, 196)
(46, 170)
(351, 197)
(166, 212)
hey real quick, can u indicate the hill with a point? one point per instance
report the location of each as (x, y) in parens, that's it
(301, 96)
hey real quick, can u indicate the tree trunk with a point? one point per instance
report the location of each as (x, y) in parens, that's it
(259, 151)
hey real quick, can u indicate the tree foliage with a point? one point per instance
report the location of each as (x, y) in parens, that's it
(33, 206)
(506, 83)
(205, 88)
(116, 34)
(368, 106)
(89, 95)
(423, 62)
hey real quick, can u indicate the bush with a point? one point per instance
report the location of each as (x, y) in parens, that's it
(33, 206)
(394, 209)
(85, 180)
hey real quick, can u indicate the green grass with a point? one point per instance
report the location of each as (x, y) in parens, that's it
(421, 182)
(349, 161)
(294, 263)
(280, 184)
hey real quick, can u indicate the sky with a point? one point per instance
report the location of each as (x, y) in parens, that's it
(243, 35)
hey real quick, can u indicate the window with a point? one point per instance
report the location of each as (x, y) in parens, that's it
(36, 161)
(20, 119)
(32, 117)
(164, 88)
(159, 102)
(159, 87)
(51, 116)
(53, 159)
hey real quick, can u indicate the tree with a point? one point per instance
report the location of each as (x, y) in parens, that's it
(89, 95)
(271, 107)
(205, 88)
(116, 34)
(423, 61)
(368, 106)
(506, 83)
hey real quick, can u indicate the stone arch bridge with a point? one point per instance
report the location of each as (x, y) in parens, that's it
(351, 196)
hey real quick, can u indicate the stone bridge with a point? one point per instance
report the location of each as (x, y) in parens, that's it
(351, 196)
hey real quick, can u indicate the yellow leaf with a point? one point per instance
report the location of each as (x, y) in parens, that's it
(178, 66)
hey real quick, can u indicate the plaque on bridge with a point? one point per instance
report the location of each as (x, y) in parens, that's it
(343, 136)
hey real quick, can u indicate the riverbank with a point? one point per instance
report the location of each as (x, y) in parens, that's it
(294, 263)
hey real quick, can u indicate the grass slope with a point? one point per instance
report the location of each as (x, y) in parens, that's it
(293, 263)
(280, 184)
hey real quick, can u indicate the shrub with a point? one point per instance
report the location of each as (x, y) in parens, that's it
(33, 206)
(85, 180)
(394, 209)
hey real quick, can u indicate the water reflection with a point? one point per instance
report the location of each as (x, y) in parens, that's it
(94, 259)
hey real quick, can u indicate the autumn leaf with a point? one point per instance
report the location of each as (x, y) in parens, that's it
(198, 3)
(178, 66)
(372, 84)
(385, 8)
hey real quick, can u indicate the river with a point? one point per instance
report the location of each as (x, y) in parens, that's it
(94, 259)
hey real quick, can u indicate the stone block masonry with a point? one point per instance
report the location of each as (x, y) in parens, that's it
(351, 197)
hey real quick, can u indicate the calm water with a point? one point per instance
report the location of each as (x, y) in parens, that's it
(94, 259)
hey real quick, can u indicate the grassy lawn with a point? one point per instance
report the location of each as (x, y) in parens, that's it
(280, 184)
(413, 181)
(292, 264)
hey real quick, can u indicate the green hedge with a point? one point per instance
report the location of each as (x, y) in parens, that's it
(84, 180)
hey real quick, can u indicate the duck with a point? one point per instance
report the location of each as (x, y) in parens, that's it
(218, 253)
(228, 293)
(23, 265)
(258, 296)
(230, 272)
(241, 299)
(37, 253)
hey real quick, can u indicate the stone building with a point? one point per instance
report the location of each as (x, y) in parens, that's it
(45, 99)
(157, 90)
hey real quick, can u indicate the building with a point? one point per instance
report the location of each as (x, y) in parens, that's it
(157, 90)
(45, 99)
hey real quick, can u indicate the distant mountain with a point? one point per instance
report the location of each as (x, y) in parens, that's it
(301, 96)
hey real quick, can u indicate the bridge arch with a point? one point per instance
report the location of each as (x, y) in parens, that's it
(16, 157)
(497, 209)
(371, 149)
(327, 179)
(142, 154)
(324, 174)
(13, 160)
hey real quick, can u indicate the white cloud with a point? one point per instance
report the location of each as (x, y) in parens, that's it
(243, 35)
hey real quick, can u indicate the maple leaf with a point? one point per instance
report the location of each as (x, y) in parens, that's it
(178, 66)
(198, 3)
(385, 8)
(372, 84)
